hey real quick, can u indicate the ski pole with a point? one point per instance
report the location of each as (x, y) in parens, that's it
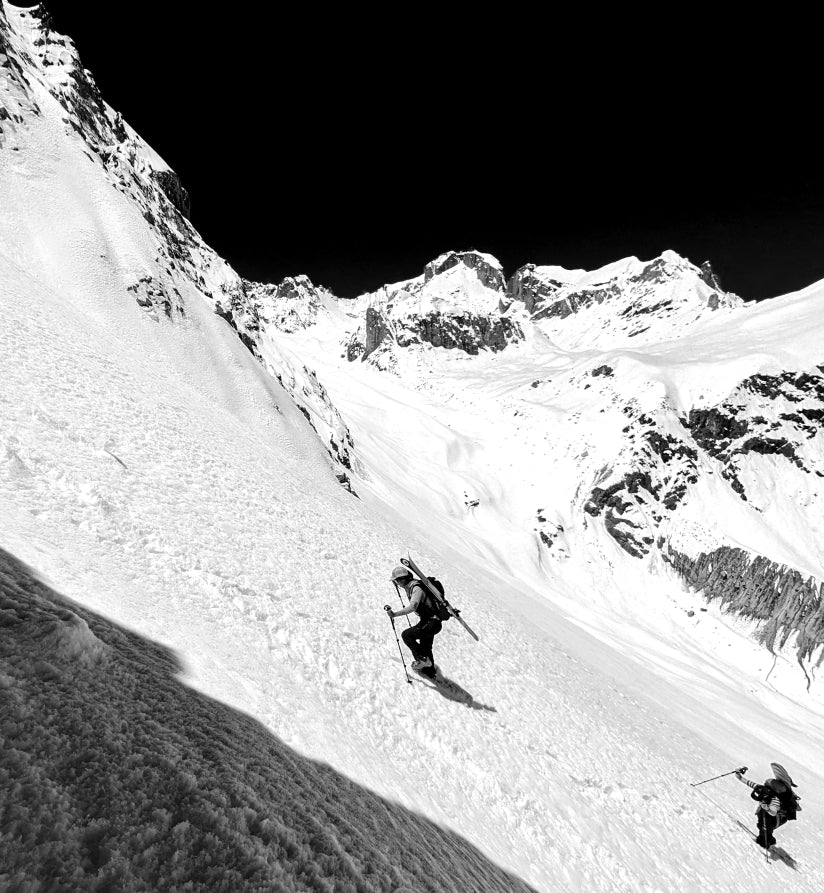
(742, 770)
(392, 621)
(400, 597)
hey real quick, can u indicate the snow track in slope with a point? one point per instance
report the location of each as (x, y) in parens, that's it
(154, 474)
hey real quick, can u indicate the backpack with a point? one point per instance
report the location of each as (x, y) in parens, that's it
(438, 605)
(787, 799)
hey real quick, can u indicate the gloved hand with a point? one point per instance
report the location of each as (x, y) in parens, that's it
(389, 611)
(761, 793)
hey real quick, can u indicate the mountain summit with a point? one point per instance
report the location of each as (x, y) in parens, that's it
(205, 482)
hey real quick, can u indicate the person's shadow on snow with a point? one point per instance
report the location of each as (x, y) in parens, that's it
(781, 855)
(453, 692)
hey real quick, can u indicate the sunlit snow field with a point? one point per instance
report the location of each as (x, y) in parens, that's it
(220, 703)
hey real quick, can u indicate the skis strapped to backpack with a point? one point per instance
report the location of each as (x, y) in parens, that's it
(443, 608)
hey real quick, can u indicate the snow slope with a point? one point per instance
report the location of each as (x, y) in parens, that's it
(154, 473)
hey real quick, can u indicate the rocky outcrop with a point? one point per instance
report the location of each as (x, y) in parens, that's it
(784, 602)
(173, 189)
(16, 98)
(254, 310)
(457, 304)
(157, 298)
(621, 301)
(653, 476)
(573, 302)
(182, 263)
(131, 166)
(468, 332)
(533, 290)
(709, 276)
(313, 400)
(291, 305)
(732, 430)
(486, 268)
(377, 332)
(72, 84)
(660, 469)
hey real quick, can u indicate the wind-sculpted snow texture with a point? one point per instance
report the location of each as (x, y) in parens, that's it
(116, 776)
(215, 698)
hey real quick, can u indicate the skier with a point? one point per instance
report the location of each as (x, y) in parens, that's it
(417, 638)
(776, 802)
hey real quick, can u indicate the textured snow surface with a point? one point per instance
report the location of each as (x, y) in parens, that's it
(221, 701)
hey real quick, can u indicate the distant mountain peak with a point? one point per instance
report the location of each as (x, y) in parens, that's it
(628, 299)
(486, 267)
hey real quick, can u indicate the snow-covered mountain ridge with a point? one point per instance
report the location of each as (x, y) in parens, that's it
(463, 300)
(661, 431)
(199, 688)
(46, 79)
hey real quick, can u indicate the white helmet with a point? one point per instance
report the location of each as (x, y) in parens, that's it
(400, 574)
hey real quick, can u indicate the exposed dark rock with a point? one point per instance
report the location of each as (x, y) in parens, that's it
(639, 308)
(665, 467)
(4, 31)
(575, 301)
(769, 446)
(724, 432)
(617, 528)
(792, 386)
(119, 128)
(490, 276)
(784, 601)
(153, 296)
(82, 98)
(468, 332)
(602, 370)
(346, 483)
(532, 290)
(464, 331)
(173, 189)
(355, 348)
(656, 271)
(377, 331)
(709, 276)
(226, 314)
(292, 305)
(713, 429)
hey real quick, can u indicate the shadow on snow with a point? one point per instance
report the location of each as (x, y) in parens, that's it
(452, 691)
(118, 776)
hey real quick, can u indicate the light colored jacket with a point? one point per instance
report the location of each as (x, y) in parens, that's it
(416, 594)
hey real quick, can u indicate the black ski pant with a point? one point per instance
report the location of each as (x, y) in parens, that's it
(418, 638)
(766, 825)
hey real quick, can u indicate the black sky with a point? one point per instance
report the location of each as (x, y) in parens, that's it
(356, 146)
